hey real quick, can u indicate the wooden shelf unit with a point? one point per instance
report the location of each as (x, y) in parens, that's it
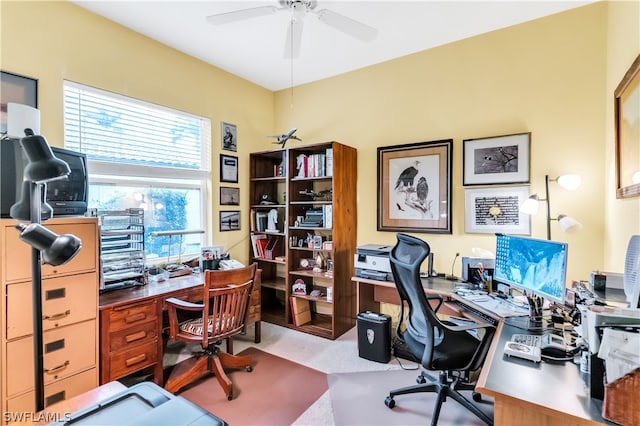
(277, 174)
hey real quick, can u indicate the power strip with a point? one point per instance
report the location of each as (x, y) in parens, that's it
(531, 353)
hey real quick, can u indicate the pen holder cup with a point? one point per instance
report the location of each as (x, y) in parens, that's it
(211, 264)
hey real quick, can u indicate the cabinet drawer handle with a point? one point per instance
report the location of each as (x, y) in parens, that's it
(135, 318)
(135, 336)
(55, 370)
(135, 360)
(56, 317)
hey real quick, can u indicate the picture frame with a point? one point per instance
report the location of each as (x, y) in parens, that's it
(496, 160)
(229, 136)
(18, 89)
(627, 128)
(491, 210)
(414, 187)
(229, 196)
(230, 220)
(228, 168)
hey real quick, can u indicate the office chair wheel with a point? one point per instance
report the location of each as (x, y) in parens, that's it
(389, 402)
(477, 397)
(230, 397)
(249, 368)
(421, 380)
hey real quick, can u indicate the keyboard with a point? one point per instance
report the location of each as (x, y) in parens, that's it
(500, 307)
(477, 313)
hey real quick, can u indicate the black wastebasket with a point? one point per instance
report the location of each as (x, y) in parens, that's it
(374, 336)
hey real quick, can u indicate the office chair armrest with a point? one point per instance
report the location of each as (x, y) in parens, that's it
(173, 304)
(437, 297)
(182, 304)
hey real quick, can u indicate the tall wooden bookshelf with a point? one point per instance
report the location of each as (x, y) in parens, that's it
(311, 190)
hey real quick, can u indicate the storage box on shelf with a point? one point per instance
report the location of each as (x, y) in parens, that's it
(70, 324)
(318, 236)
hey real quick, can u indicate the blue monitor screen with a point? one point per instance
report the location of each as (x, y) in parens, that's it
(533, 266)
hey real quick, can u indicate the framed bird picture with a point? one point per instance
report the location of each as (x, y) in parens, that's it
(496, 160)
(414, 187)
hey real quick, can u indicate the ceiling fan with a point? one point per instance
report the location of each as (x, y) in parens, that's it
(299, 10)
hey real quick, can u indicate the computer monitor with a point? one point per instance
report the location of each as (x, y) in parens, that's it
(533, 266)
(631, 277)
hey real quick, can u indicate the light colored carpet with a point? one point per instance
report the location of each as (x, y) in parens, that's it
(358, 399)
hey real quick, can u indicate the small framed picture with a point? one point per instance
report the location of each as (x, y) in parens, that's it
(496, 209)
(317, 242)
(496, 160)
(229, 136)
(15, 88)
(229, 196)
(228, 168)
(230, 220)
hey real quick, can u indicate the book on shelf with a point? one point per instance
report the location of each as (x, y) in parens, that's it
(261, 244)
(327, 216)
(329, 162)
(254, 243)
(262, 219)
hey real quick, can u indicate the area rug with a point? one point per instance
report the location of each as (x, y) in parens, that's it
(276, 392)
(358, 399)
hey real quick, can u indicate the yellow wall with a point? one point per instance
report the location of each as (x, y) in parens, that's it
(622, 217)
(547, 77)
(553, 77)
(54, 41)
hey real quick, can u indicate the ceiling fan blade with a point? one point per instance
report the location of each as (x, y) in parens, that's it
(294, 38)
(347, 25)
(239, 15)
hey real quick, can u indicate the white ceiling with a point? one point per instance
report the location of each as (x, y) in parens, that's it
(254, 48)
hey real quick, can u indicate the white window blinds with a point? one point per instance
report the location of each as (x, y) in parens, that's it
(113, 128)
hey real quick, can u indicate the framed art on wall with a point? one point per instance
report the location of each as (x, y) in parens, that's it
(496, 160)
(229, 136)
(16, 89)
(228, 168)
(414, 187)
(230, 220)
(496, 209)
(229, 196)
(627, 128)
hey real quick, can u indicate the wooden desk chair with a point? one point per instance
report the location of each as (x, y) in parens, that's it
(225, 299)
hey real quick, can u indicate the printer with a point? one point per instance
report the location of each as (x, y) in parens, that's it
(372, 261)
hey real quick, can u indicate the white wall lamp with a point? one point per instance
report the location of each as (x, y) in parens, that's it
(531, 204)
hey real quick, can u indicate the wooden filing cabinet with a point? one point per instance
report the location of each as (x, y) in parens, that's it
(69, 316)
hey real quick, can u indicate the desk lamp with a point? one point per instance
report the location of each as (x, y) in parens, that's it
(46, 246)
(531, 204)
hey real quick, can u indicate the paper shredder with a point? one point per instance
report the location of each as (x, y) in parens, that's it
(374, 336)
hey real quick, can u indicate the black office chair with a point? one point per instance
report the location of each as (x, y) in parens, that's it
(440, 345)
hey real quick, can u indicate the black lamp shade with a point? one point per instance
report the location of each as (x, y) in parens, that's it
(56, 249)
(43, 166)
(21, 210)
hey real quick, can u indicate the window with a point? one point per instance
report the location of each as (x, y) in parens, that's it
(143, 155)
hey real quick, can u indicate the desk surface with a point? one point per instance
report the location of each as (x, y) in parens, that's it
(549, 386)
(152, 290)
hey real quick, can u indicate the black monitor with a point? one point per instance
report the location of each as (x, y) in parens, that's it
(536, 267)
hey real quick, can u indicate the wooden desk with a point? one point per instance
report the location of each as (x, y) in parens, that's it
(525, 393)
(131, 324)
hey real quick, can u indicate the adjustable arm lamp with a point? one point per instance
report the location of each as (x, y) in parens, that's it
(46, 246)
(531, 204)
